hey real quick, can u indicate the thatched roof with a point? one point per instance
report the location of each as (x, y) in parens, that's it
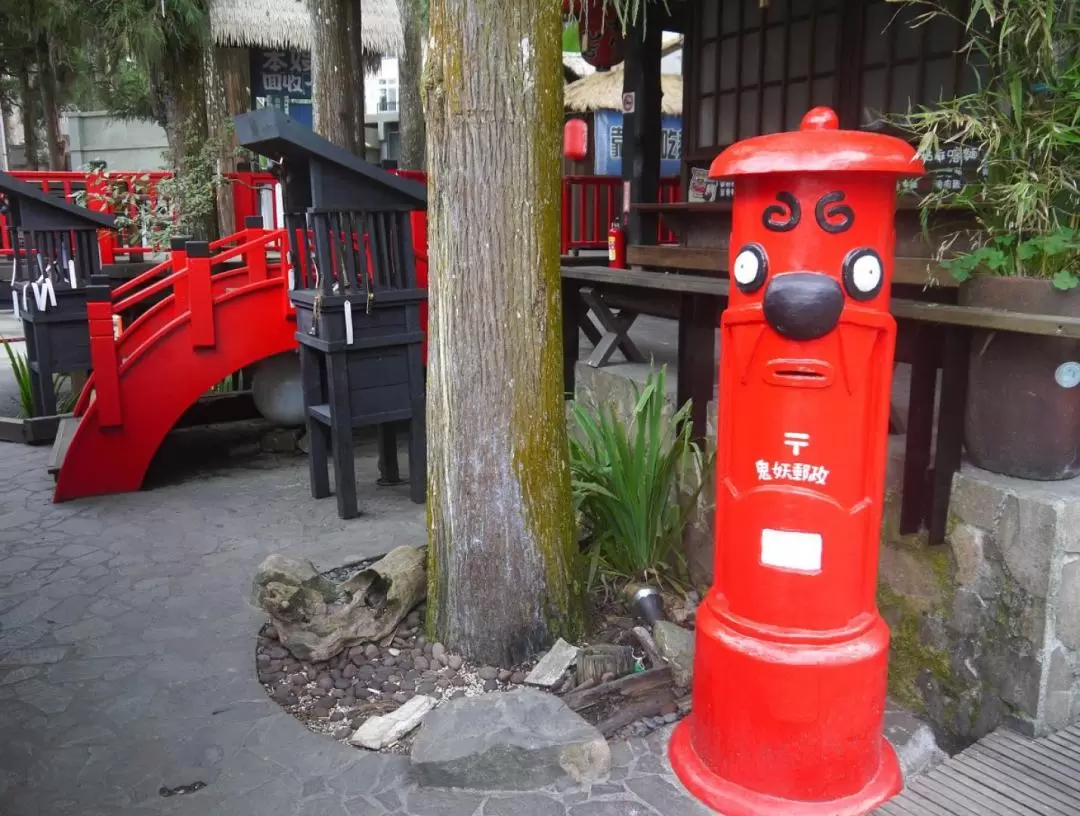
(285, 24)
(603, 91)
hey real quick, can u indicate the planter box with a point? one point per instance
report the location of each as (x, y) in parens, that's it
(32, 431)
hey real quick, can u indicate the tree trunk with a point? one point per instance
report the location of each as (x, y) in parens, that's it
(28, 102)
(228, 84)
(50, 106)
(183, 91)
(411, 107)
(337, 80)
(353, 17)
(501, 527)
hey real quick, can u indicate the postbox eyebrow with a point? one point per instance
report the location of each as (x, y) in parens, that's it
(791, 211)
(826, 218)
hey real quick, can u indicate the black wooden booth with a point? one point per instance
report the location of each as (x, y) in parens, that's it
(356, 298)
(54, 254)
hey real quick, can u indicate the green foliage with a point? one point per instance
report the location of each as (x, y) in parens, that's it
(177, 205)
(20, 367)
(1025, 116)
(633, 486)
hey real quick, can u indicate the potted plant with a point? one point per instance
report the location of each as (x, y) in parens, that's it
(1023, 411)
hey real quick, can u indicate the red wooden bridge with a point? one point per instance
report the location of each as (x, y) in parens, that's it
(213, 316)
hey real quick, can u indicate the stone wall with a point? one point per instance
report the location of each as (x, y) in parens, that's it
(985, 629)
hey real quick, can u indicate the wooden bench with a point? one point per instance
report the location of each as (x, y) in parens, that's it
(931, 337)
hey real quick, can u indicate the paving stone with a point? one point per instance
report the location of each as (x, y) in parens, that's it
(425, 802)
(523, 805)
(665, 797)
(616, 807)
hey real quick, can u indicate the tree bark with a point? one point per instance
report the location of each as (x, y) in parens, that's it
(228, 84)
(336, 72)
(50, 106)
(501, 527)
(411, 107)
(28, 101)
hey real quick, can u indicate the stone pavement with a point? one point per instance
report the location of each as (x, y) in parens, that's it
(126, 655)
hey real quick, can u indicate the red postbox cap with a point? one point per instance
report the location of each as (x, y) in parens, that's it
(818, 146)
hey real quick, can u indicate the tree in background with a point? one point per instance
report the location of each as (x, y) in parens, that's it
(502, 536)
(410, 66)
(337, 72)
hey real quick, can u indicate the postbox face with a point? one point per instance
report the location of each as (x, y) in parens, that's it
(806, 373)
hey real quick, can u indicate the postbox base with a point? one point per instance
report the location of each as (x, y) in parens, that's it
(730, 799)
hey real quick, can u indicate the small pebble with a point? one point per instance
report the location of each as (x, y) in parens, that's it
(336, 694)
(278, 653)
(517, 678)
(412, 674)
(349, 699)
(504, 675)
(454, 662)
(429, 674)
(356, 656)
(458, 681)
(335, 673)
(442, 683)
(425, 688)
(437, 650)
(490, 685)
(389, 687)
(337, 716)
(275, 666)
(325, 681)
(420, 664)
(457, 694)
(394, 652)
(365, 672)
(670, 718)
(325, 703)
(670, 708)
(262, 661)
(402, 697)
(362, 693)
(421, 642)
(357, 722)
(443, 659)
(270, 633)
(488, 673)
(349, 672)
(427, 649)
(344, 732)
(371, 651)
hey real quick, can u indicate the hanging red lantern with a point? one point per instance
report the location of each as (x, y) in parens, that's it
(576, 139)
(602, 41)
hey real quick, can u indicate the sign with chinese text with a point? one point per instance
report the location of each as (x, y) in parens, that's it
(282, 79)
(608, 142)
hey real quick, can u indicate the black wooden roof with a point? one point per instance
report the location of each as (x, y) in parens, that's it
(271, 133)
(39, 210)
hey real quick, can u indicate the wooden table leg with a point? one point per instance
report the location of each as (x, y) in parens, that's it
(573, 314)
(950, 431)
(920, 429)
(615, 328)
(698, 316)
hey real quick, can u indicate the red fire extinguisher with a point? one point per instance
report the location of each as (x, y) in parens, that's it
(616, 241)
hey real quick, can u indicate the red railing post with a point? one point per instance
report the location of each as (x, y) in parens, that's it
(106, 381)
(255, 258)
(200, 294)
(179, 261)
(564, 248)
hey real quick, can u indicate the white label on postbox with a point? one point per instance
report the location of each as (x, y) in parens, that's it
(791, 550)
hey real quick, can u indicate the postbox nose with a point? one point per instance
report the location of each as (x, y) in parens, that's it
(803, 305)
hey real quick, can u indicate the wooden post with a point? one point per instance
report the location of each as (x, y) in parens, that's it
(178, 255)
(99, 314)
(255, 258)
(642, 129)
(201, 294)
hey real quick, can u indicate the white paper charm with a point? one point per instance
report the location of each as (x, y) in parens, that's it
(15, 304)
(71, 273)
(348, 323)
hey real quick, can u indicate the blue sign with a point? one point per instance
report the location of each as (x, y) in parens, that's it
(608, 142)
(279, 78)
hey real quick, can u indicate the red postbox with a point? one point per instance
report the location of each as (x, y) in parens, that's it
(791, 656)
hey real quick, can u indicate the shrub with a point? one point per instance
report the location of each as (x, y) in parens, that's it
(20, 367)
(635, 484)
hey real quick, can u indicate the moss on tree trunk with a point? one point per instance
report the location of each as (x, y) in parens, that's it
(501, 526)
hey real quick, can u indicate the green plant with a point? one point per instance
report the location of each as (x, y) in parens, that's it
(20, 367)
(634, 484)
(1025, 118)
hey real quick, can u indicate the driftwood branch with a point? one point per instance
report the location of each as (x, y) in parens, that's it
(649, 645)
(632, 686)
(649, 707)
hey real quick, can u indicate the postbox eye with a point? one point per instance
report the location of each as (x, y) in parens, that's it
(863, 274)
(750, 269)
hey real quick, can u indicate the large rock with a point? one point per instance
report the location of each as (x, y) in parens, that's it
(520, 740)
(676, 645)
(316, 619)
